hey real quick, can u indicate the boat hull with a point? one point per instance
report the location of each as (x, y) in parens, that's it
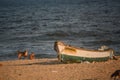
(69, 58)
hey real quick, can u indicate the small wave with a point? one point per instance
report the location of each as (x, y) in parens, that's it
(58, 34)
(72, 34)
(116, 32)
(9, 56)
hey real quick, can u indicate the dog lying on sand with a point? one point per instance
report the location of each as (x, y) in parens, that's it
(116, 75)
(22, 54)
(32, 56)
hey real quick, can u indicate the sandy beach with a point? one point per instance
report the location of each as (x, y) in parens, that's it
(51, 69)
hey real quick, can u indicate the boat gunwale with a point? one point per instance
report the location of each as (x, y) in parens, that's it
(81, 48)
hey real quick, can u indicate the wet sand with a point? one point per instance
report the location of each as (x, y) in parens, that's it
(51, 69)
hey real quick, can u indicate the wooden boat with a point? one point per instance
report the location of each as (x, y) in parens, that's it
(67, 53)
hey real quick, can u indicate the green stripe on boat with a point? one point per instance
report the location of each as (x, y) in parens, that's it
(68, 58)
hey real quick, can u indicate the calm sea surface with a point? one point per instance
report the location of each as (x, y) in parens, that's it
(36, 24)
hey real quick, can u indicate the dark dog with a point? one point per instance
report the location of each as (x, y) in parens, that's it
(22, 54)
(116, 75)
(32, 56)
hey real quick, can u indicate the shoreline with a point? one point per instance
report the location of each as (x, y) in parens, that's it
(51, 69)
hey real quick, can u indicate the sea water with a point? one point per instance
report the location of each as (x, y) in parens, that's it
(36, 24)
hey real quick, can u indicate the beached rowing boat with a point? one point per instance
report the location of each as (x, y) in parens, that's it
(67, 53)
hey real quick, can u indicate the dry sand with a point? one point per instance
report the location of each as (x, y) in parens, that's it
(51, 69)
